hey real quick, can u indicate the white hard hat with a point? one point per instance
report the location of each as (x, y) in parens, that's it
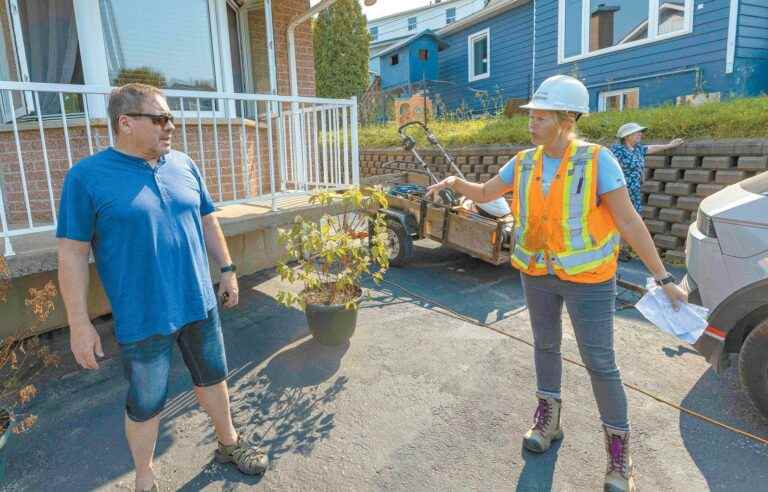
(628, 129)
(498, 208)
(560, 93)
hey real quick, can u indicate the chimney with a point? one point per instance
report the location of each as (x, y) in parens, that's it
(601, 26)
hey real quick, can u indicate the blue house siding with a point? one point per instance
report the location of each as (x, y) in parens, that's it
(661, 70)
(510, 65)
(751, 62)
(421, 69)
(374, 65)
(394, 75)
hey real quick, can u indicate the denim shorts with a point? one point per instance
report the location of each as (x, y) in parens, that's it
(147, 364)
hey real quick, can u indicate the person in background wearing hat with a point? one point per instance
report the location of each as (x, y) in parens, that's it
(571, 206)
(631, 155)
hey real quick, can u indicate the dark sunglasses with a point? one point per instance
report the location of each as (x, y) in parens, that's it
(157, 119)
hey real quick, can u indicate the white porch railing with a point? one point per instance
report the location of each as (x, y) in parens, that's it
(247, 146)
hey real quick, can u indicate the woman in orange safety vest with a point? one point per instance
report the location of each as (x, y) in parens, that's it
(571, 210)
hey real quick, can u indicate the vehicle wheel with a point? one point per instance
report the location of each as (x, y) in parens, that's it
(400, 244)
(753, 366)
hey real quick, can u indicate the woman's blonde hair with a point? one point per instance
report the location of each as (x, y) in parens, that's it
(567, 116)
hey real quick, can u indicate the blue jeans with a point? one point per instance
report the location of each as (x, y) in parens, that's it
(147, 364)
(591, 308)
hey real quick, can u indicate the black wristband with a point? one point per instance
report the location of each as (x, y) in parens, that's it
(669, 279)
(229, 268)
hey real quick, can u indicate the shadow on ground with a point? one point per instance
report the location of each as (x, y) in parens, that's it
(277, 407)
(723, 399)
(539, 469)
(469, 286)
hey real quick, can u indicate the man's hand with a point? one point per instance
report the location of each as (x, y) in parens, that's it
(228, 292)
(446, 183)
(85, 344)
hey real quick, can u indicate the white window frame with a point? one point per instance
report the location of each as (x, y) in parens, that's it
(653, 27)
(243, 37)
(471, 39)
(448, 18)
(94, 57)
(603, 96)
(415, 23)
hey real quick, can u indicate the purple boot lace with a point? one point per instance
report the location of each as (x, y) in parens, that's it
(542, 415)
(617, 454)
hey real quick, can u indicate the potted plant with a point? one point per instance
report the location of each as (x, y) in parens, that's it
(22, 357)
(332, 256)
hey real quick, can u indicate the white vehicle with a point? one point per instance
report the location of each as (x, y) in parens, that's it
(727, 260)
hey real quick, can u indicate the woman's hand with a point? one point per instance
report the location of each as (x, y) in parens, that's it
(677, 142)
(435, 188)
(675, 294)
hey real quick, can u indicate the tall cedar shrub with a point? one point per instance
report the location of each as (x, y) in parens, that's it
(341, 50)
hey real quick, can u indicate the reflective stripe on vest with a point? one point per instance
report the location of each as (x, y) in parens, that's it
(585, 260)
(579, 252)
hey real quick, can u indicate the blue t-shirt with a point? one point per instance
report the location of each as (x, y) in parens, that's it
(145, 228)
(609, 174)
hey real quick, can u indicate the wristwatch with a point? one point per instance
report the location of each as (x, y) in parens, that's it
(229, 268)
(668, 279)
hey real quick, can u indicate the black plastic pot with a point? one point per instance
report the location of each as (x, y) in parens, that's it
(4, 437)
(332, 324)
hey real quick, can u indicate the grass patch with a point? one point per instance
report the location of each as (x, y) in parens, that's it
(737, 118)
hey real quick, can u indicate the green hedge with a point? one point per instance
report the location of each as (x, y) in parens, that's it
(737, 118)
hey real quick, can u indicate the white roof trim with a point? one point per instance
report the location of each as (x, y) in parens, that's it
(487, 13)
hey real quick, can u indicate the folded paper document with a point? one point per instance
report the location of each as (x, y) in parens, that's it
(687, 323)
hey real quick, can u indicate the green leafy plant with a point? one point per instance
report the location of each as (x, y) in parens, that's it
(341, 33)
(333, 254)
(734, 118)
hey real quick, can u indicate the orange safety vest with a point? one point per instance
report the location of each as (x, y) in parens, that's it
(568, 229)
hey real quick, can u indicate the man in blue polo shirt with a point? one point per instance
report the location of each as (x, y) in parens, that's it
(145, 212)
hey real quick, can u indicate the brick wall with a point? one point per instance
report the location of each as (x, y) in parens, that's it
(675, 184)
(31, 142)
(205, 155)
(283, 12)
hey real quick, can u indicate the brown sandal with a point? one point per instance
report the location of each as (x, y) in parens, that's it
(155, 488)
(249, 460)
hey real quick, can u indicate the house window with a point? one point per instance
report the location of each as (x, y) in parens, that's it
(424, 55)
(48, 51)
(450, 15)
(374, 32)
(394, 60)
(479, 55)
(235, 48)
(138, 46)
(591, 27)
(412, 23)
(619, 100)
(671, 16)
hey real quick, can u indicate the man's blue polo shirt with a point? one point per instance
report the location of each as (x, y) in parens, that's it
(145, 227)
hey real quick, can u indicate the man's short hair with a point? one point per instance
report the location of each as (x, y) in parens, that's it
(129, 98)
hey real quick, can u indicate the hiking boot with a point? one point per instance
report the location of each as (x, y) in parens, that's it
(248, 460)
(619, 473)
(546, 427)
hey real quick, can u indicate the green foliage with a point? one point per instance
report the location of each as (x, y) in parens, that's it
(737, 118)
(335, 253)
(143, 75)
(341, 50)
